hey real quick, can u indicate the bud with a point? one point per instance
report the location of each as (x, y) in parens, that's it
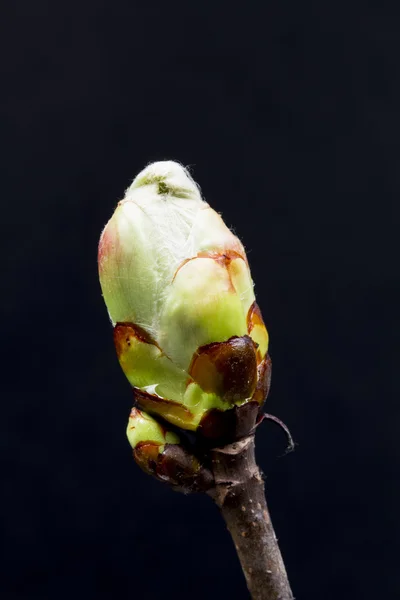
(188, 333)
(159, 453)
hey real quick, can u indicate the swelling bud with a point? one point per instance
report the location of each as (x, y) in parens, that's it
(188, 333)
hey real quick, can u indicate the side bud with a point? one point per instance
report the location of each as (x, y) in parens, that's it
(159, 453)
(188, 333)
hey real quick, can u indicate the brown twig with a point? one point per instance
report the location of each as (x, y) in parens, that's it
(239, 493)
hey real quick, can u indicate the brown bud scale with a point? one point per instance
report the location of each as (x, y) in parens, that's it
(229, 425)
(174, 412)
(228, 369)
(123, 332)
(264, 370)
(174, 465)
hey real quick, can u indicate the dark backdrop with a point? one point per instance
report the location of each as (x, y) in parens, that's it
(288, 113)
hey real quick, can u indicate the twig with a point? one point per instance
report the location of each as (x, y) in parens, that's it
(239, 493)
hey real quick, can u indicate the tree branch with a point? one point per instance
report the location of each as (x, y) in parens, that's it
(239, 493)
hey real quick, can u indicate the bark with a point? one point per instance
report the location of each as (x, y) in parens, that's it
(239, 493)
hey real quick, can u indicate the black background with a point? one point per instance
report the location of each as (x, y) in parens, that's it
(288, 114)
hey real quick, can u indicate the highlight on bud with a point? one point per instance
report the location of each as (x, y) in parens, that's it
(159, 452)
(188, 333)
